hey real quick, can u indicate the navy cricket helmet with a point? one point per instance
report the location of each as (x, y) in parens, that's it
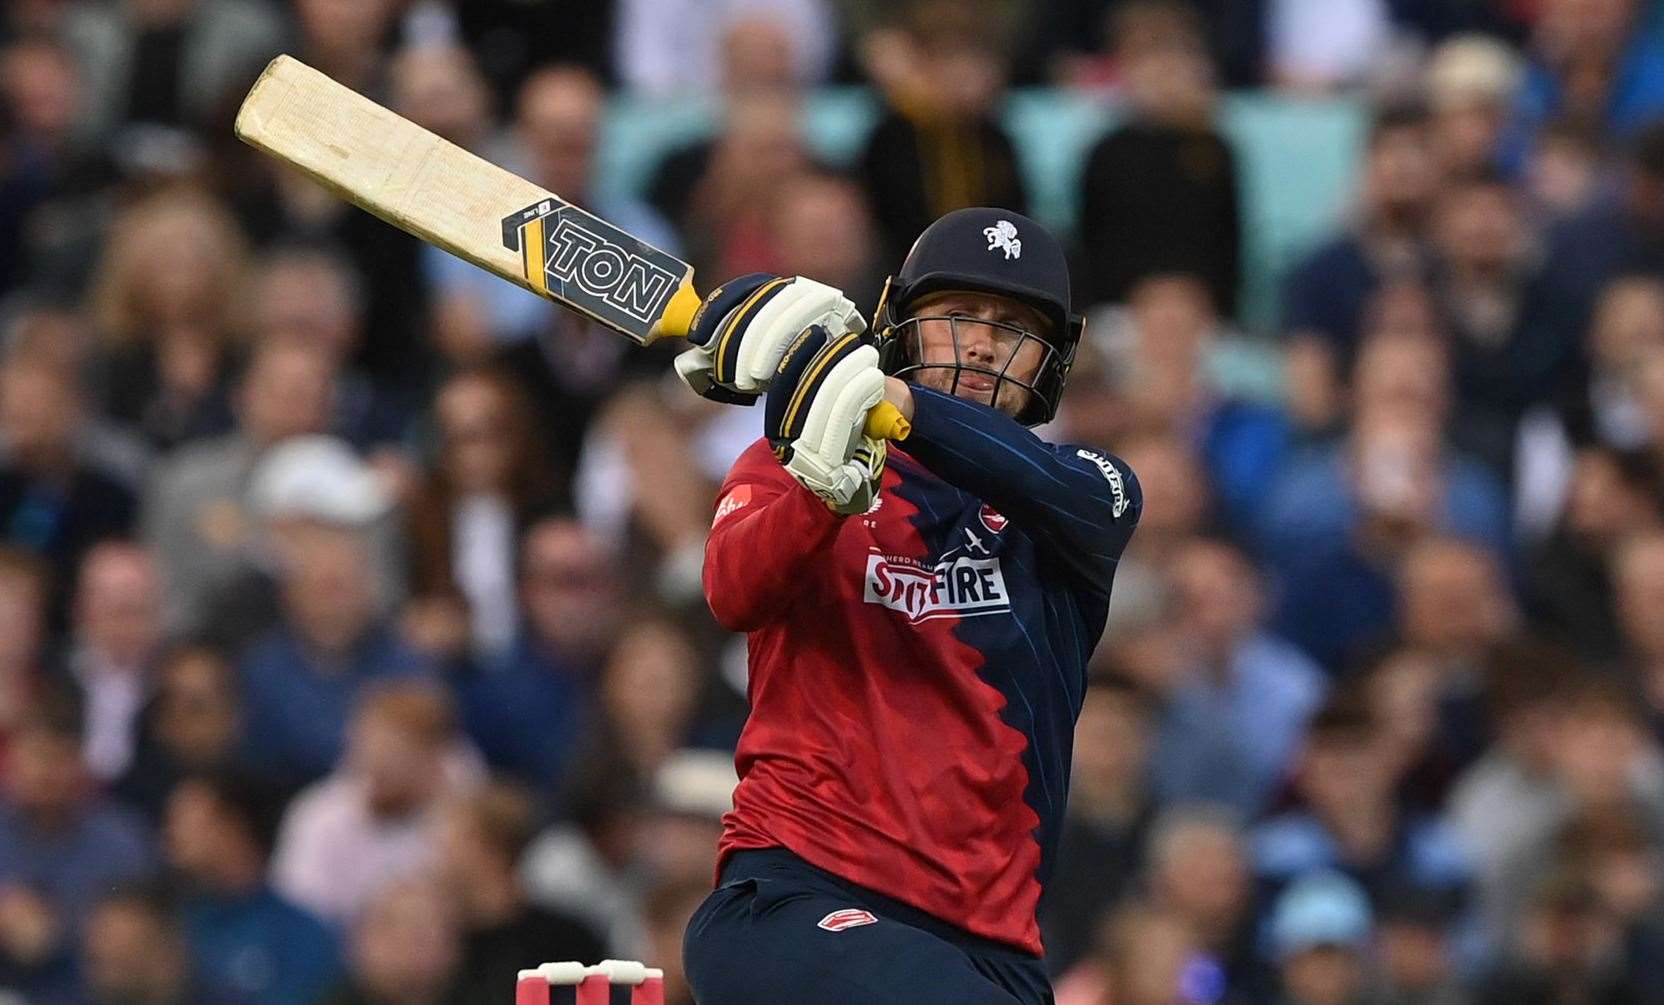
(985, 250)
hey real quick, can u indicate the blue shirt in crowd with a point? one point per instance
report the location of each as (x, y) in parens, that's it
(1229, 741)
(262, 947)
(298, 708)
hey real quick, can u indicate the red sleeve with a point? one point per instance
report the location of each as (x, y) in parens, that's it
(768, 529)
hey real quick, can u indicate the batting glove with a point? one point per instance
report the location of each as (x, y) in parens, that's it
(816, 415)
(742, 329)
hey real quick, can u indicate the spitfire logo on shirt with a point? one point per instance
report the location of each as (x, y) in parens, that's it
(956, 588)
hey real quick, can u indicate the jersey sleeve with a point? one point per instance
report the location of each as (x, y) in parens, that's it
(767, 531)
(1079, 504)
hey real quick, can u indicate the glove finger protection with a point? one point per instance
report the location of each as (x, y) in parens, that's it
(743, 327)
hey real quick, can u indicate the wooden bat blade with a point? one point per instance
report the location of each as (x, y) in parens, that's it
(427, 186)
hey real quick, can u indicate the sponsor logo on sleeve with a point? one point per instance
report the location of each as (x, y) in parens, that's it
(1117, 485)
(737, 498)
(849, 917)
(958, 588)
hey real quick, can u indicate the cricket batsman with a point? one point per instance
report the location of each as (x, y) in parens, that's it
(920, 617)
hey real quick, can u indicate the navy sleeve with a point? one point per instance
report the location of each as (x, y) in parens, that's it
(1078, 504)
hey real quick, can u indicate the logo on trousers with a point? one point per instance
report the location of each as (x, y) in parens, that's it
(849, 917)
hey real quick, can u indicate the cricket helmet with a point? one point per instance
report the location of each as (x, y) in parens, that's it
(985, 250)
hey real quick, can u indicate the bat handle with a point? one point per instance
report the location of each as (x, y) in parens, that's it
(677, 318)
(885, 422)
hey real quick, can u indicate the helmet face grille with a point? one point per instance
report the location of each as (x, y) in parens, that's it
(907, 361)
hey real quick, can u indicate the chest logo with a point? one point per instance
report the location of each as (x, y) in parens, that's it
(991, 519)
(960, 588)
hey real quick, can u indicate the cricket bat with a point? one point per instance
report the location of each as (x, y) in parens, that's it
(431, 188)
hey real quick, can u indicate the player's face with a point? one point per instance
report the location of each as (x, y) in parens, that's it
(982, 335)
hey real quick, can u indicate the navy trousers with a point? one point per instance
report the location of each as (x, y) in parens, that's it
(777, 930)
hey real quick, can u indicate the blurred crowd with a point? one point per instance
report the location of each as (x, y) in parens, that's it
(352, 646)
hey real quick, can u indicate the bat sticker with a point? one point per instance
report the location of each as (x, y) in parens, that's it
(592, 264)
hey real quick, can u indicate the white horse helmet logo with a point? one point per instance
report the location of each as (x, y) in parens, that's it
(1002, 236)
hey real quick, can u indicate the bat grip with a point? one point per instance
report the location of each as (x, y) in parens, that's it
(885, 422)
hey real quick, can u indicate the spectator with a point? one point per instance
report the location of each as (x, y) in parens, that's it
(1565, 947)
(637, 488)
(114, 641)
(1159, 193)
(1430, 718)
(437, 85)
(1326, 294)
(52, 166)
(1625, 334)
(134, 951)
(649, 694)
(1319, 929)
(345, 42)
(1231, 725)
(822, 227)
(193, 724)
(1340, 518)
(1567, 171)
(484, 835)
(1348, 819)
(1111, 809)
(165, 300)
(691, 791)
(1168, 359)
(376, 818)
(586, 866)
(690, 48)
(330, 637)
(1416, 952)
(52, 502)
(405, 949)
(302, 488)
(941, 76)
(245, 938)
(1196, 869)
(710, 191)
(196, 522)
(61, 843)
(1455, 611)
(467, 517)
(1569, 585)
(1471, 80)
(1593, 62)
(1513, 345)
(1617, 236)
(527, 714)
(168, 63)
(1145, 956)
(311, 295)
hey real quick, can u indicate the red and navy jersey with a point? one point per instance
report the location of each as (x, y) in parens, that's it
(916, 671)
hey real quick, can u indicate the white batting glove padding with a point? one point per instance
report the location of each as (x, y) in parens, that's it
(823, 456)
(765, 337)
(756, 339)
